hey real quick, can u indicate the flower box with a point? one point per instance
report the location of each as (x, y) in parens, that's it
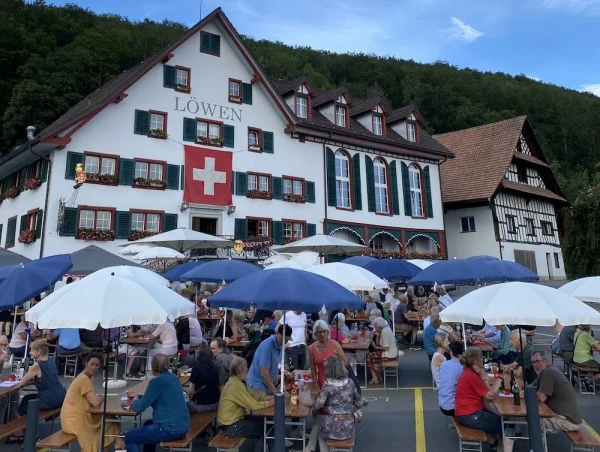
(287, 240)
(143, 182)
(216, 141)
(258, 194)
(181, 87)
(235, 99)
(33, 183)
(158, 133)
(27, 236)
(257, 242)
(93, 234)
(255, 148)
(293, 198)
(13, 192)
(137, 234)
(104, 179)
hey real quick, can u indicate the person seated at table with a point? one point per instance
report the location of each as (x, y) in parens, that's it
(490, 334)
(427, 320)
(44, 376)
(443, 344)
(383, 349)
(566, 339)
(10, 400)
(503, 351)
(167, 336)
(223, 359)
(429, 333)
(75, 418)
(92, 339)
(370, 304)
(443, 297)
(319, 352)
(135, 351)
(235, 402)
(472, 390)
(522, 366)
(334, 407)
(234, 327)
(433, 302)
(250, 349)
(375, 313)
(19, 338)
(277, 316)
(585, 346)
(196, 336)
(204, 382)
(402, 324)
(170, 416)
(450, 371)
(249, 316)
(448, 329)
(67, 343)
(264, 372)
(182, 330)
(336, 330)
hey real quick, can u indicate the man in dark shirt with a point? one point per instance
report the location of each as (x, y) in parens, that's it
(522, 366)
(566, 343)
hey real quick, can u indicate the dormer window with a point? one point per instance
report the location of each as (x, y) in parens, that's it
(377, 125)
(411, 132)
(301, 106)
(340, 115)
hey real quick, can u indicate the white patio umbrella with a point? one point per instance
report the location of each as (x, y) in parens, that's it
(520, 303)
(349, 276)
(288, 264)
(277, 258)
(584, 289)
(308, 258)
(422, 264)
(140, 274)
(136, 248)
(183, 239)
(322, 244)
(158, 253)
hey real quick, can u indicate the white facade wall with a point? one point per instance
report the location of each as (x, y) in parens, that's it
(466, 244)
(544, 270)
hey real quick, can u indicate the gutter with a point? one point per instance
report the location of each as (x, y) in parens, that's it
(442, 199)
(326, 205)
(45, 219)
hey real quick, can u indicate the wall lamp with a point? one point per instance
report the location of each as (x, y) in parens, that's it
(185, 206)
(230, 210)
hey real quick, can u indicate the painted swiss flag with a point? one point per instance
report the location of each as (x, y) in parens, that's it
(208, 176)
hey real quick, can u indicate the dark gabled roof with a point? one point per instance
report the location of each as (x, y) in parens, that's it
(531, 190)
(331, 95)
(364, 105)
(404, 112)
(285, 86)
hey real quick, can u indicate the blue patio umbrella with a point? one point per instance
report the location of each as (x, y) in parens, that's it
(6, 271)
(510, 271)
(482, 258)
(359, 261)
(455, 271)
(393, 269)
(175, 273)
(227, 270)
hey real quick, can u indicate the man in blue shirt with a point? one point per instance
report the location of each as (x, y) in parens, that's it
(429, 333)
(68, 343)
(170, 416)
(263, 373)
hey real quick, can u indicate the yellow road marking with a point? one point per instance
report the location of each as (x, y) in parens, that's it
(419, 422)
(592, 431)
(45, 449)
(409, 388)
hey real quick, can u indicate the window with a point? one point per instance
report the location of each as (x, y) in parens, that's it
(301, 106)
(32, 219)
(381, 194)
(340, 115)
(530, 225)
(547, 228)
(208, 131)
(210, 43)
(254, 139)
(183, 78)
(101, 168)
(511, 224)
(342, 180)
(149, 170)
(411, 132)
(377, 125)
(146, 221)
(522, 174)
(16, 179)
(259, 227)
(376, 243)
(157, 122)
(36, 170)
(416, 192)
(467, 224)
(292, 230)
(556, 261)
(293, 186)
(235, 91)
(259, 182)
(99, 220)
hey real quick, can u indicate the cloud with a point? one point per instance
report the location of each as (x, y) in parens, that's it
(537, 79)
(594, 88)
(586, 7)
(463, 32)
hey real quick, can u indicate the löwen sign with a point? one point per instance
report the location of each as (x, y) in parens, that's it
(207, 110)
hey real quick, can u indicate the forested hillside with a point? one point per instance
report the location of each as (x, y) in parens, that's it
(51, 57)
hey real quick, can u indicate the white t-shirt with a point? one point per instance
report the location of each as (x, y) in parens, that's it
(196, 337)
(166, 334)
(445, 300)
(16, 340)
(389, 298)
(298, 324)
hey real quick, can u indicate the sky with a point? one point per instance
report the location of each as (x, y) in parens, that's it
(555, 41)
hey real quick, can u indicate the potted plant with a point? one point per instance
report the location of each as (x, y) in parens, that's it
(290, 197)
(143, 182)
(216, 141)
(287, 240)
(258, 194)
(13, 192)
(202, 140)
(93, 234)
(33, 183)
(235, 98)
(137, 234)
(158, 133)
(27, 236)
(182, 87)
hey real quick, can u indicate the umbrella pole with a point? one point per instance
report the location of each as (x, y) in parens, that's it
(282, 356)
(224, 322)
(103, 424)
(464, 335)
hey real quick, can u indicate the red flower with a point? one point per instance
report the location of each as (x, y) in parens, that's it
(27, 236)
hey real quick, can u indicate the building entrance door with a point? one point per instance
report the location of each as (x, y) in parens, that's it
(550, 264)
(205, 225)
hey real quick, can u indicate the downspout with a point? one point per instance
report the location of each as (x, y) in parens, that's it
(496, 226)
(325, 198)
(43, 234)
(442, 199)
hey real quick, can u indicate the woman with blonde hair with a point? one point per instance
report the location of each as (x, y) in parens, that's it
(442, 343)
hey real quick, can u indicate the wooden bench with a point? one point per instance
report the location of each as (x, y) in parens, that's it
(222, 443)
(57, 441)
(198, 423)
(72, 360)
(583, 440)
(585, 378)
(341, 445)
(19, 424)
(469, 439)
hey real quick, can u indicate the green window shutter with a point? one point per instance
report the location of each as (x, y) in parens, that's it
(6, 183)
(169, 76)
(331, 184)
(11, 231)
(182, 186)
(69, 223)
(241, 183)
(395, 200)
(278, 232)
(210, 43)
(28, 171)
(170, 222)
(215, 45)
(310, 191)
(311, 229)
(268, 142)
(370, 184)
(23, 225)
(205, 42)
(240, 231)
(356, 181)
(73, 158)
(39, 223)
(173, 177)
(1, 227)
(406, 190)
(428, 200)
(189, 129)
(277, 188)
(233, 182)
(142, 123)
(247, 93)
(44, 173)
(122, 225)
(126, 171)
(228, 136)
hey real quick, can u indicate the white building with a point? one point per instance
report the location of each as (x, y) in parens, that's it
(501, 198)
(198, 136)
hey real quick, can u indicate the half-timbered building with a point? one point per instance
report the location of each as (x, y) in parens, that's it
(501, 198)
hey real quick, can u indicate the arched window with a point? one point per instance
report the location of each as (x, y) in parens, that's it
(416, 190)
(342, 180)
(381, 187)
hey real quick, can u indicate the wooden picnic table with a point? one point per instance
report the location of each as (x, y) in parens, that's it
(7, 389)
(300, 412)
(362, 342)
(358, 318)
